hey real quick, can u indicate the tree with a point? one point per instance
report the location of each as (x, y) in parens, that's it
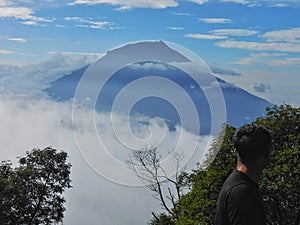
(199, 205)
(32, 192)
(146, 163)
(281, 179)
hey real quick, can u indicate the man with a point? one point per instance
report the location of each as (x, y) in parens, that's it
(239, 201)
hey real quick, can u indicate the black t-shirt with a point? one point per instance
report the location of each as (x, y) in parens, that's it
(240, 202)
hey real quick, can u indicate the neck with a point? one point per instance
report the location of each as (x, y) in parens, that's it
(251, 171)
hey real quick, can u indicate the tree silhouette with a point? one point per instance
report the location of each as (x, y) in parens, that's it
(31, 193)
(146, 163)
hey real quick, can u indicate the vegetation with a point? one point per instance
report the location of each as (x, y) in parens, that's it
(146, 163)
(280, 183)
(281, 180)
(199, 205)
(32, 192)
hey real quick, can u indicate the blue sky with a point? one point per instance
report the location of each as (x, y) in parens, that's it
(257, 39)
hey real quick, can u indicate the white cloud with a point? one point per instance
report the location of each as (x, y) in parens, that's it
(9, 10)
(5, 2)
(17, 12)
(175, 28)
(21, 13)
(234, 32)
(21, 40)
(289, 61)
(236, 1)
(271, 59)
(205, 36)
(216, 20)
(275, 59)
(247, 61)
(262, 57)
(287, 35)
(129, 4)
(260, 46)
(182, 14)
(61, 26)
(280, 5)
(149, 66)
(89, 23)
(93, 55)
(30, 23)
(223, 71)
(200, 2)
(267, 3)
(6, 52)
(32, 78)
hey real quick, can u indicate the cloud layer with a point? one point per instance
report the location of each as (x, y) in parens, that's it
(29, 120)
(128, 4)
(30, 79)
(28, 124)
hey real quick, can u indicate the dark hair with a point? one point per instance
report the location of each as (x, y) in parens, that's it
(251, 141)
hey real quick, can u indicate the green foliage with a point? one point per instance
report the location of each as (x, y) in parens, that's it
(281, 179)
(198, 206)
(280, 184)
(162, 219)
(32, 192)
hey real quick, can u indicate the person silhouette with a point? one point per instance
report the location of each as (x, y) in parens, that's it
(239, 201)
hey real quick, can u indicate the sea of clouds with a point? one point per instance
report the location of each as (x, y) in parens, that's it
(104, 190)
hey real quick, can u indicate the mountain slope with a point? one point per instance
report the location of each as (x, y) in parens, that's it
(241, 106)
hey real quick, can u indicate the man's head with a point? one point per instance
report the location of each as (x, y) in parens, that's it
(252, 142)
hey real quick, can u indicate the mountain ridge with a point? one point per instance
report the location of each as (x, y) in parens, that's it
(241, 106)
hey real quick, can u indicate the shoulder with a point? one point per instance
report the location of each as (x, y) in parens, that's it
(234, 181)
(242, 196)
(241, 188)
(240, 191)
(244, 205)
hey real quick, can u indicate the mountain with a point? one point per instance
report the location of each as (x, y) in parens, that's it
(154, 87)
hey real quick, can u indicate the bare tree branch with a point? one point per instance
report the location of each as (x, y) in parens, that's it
(146, 163)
